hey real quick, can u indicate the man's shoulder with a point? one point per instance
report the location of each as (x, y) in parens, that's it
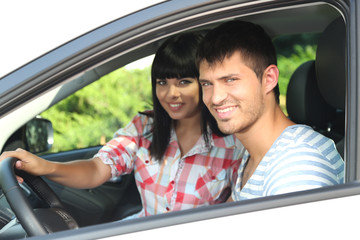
(301, 143)
(302, 134)
(302, 139)
(304, 154)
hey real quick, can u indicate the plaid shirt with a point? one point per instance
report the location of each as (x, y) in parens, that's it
(176, 183)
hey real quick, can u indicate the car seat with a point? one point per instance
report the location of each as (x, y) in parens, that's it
(330, 67)
(304, 102)
(316, 90)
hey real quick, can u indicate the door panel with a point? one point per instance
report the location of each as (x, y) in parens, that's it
(109, 202)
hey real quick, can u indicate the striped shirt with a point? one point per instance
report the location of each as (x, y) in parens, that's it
(177, 182)
(300, 159)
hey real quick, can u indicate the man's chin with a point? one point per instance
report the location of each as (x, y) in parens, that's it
(225, 127)
(222, 120)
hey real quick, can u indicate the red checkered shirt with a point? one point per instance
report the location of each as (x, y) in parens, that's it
(176, 183)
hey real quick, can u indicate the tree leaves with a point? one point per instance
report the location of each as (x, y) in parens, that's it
(98, 110)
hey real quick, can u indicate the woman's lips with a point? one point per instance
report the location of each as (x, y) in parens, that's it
(175, 106)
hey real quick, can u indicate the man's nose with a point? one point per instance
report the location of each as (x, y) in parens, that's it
(219, 94)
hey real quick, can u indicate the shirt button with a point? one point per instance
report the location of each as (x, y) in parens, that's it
(147, 161)
(213, 177)
(167, 209)
(172, 182)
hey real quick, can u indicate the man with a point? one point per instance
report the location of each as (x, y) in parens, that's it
(239, 79)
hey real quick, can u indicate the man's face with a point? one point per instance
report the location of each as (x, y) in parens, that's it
(233, 93)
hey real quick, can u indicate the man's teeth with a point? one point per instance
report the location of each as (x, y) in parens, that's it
(225, 110)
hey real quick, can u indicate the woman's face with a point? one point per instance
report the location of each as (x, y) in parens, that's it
(179, 97)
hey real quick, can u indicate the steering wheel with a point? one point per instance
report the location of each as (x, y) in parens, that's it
(34, 221)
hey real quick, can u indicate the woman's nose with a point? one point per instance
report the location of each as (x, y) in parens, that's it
(173, 91)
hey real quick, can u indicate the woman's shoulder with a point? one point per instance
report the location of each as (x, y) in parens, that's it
(144, 116)
(140, 124)
(148, 112)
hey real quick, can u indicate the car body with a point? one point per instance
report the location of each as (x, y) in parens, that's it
(319, 213)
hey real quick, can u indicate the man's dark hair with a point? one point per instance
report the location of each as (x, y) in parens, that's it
(176, 59)
(251, 40)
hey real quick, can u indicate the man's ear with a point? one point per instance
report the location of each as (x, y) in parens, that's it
(270, 78)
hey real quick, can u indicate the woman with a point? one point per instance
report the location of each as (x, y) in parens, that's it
(179, 157)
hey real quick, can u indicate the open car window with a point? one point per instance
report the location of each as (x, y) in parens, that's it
(90, 116)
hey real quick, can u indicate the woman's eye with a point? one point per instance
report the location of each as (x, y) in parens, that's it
(184, 82)
(161, 82)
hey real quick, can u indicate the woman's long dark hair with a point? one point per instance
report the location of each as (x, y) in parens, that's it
(176, 59)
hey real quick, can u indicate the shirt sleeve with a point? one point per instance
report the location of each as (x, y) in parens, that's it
(303, 168)
(120, 152)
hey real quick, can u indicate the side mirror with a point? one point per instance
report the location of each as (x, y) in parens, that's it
(39, 135)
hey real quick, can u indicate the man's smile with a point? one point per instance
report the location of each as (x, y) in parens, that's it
(224, 112)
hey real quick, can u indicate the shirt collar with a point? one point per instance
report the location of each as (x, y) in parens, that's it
(201, 146)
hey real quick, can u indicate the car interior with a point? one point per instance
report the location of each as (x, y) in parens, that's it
(316, 90)
(315, 96)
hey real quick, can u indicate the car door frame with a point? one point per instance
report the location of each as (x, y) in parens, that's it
(351, 190)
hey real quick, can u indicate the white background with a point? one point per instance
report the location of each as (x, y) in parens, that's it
(30, 28)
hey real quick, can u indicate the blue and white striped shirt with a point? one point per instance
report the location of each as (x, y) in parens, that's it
(300, 159)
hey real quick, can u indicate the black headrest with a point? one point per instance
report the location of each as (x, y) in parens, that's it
(304, 102)
(330, 64)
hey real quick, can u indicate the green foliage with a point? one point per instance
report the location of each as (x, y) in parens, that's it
(287, 65)
(95, 112)
(284, 44)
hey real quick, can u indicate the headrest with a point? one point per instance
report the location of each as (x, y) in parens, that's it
(304, 102)
(330, 64)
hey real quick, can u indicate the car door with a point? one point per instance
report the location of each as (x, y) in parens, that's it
(318, 213)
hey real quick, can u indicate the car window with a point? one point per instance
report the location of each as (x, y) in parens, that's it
(90, 116)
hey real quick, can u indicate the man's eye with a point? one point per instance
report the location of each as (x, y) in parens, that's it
(205, 84)
(230, 79)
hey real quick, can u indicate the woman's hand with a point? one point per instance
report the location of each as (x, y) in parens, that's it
(88, 173)
(28, 162)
